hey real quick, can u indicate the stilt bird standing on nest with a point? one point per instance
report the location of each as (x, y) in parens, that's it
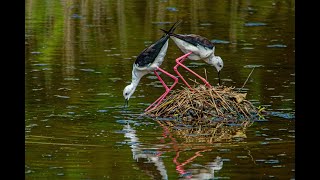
(150, 60)
(195, 47)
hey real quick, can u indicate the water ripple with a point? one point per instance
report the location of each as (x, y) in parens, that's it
(172, 9)
(218, 41)
(252, 24)
(282, 115)
(272, 161)
(277, 46)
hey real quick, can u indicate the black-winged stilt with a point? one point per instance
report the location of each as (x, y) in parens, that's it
(149, 60)
(195, 47)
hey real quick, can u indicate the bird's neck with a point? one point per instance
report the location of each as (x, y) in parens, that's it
(209, 59)
(136, 76)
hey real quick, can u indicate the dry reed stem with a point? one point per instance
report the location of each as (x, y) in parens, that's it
(246, 79)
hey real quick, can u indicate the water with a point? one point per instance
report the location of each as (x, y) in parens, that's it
(79, 57)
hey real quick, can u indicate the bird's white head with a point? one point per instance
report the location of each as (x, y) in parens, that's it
(127, 92)
(217, 62)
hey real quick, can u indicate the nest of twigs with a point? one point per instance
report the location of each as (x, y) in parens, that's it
(212, 113)
(206, 103)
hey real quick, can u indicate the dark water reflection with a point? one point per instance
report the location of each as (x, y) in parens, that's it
(79, 57)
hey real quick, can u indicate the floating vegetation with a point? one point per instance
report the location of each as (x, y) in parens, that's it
(207, 114)
(208, 103)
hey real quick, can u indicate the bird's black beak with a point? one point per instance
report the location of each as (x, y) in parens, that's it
(219, 78)
(126, 102)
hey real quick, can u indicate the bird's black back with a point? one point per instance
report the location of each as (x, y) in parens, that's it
(148, 55)
(194, 40)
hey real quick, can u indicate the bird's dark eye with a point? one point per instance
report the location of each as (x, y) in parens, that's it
(126, 94)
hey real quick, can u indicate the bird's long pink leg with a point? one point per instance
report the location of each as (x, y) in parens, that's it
(164, 85)
(175, 68)
(179, 63)
(159, 100)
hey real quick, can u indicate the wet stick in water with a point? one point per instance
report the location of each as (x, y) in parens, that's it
(205, 73)
(246, 80)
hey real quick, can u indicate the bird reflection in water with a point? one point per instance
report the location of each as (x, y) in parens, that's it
(145, 158)
(150, 159)
(201, 171)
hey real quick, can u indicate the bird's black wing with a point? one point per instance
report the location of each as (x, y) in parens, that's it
(194, 40)
(148, 55)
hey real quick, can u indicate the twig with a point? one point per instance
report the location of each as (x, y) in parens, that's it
(246, 79)
(205, 73)
(213, 89)
(193, 81)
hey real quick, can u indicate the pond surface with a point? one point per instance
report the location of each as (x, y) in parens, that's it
(79, 57)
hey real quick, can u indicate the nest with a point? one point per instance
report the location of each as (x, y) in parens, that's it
(214, 114)
(205, 103)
